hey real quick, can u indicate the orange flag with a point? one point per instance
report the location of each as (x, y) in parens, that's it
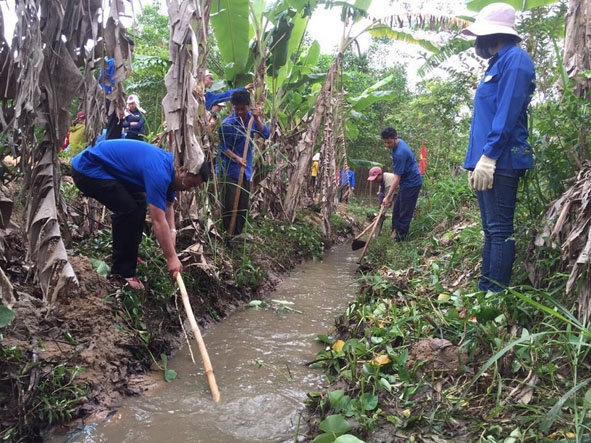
(423, 159)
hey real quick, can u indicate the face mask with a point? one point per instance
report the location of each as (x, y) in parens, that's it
(483, 49)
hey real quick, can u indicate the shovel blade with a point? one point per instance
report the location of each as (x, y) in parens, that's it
(357, 244)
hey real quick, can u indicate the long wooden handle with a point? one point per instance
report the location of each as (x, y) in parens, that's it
(213, 387)
(371, 234)
(373, 222)
(240, 179)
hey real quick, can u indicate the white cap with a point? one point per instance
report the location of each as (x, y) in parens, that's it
(208, 74)
(496, 18)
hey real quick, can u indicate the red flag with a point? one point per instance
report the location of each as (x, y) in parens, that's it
(423, 159)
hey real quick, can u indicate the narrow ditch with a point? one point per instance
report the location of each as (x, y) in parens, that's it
(259, 359)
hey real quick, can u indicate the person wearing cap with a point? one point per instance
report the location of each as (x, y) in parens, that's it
(233, 162)
(134, 123)
(407, 181)
(498, 151)
(75, 139)
(215, 98)
(384, 180)
(126, 176)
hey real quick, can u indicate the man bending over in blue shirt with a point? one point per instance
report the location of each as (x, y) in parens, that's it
(124, 175)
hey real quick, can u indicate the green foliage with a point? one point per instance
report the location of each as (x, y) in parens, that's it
(339, 225)
(58, 394)
(230, 21)
(38, 393)
(150, 64)
(169, 374)
(6, 316)
(290, 243)
(248, 274)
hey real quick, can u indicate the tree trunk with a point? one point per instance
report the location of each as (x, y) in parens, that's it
(305, 146)
(577, 45)
(180, 104)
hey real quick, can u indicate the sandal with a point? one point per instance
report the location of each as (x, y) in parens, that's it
(131, 282)
(135, 283)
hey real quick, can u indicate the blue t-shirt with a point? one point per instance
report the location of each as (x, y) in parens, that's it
(499, 125)
(233, 137)
(347, 178)
(145, 167)
(405, 164)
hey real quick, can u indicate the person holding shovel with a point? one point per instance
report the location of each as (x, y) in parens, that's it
(237, 133)
(126, 176)
(384, 180)
(406, 177)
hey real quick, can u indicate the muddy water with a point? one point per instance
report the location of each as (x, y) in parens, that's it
(258, 357)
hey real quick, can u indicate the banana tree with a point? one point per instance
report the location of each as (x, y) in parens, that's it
(47, 54)
(351, 12)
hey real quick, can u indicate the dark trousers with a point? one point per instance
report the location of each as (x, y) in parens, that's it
(114, 124)
(497, 210)
(404, 208)
(127, 221)
(229, 189)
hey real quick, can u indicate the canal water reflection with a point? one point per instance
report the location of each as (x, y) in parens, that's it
(258, 357)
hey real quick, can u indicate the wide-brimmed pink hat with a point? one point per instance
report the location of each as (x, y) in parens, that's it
(496, 18)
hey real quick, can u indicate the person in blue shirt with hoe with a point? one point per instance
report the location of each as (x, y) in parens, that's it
(233, 137)
(406, 177)
(498, 151)
(126, 176)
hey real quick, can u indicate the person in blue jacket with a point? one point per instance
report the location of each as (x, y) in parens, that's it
(232, 135)
(126, 176)
(407, 180)
(134, 124)
(498, 151)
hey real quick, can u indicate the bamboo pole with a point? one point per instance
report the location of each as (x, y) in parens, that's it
(213, 387)
(240, 178)
(371, 234)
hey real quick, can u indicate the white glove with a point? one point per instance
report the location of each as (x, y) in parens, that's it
(481, 178)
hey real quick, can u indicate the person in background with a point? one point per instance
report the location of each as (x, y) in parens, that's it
(75, 140)
(407, 181)
(126, 176)
(498, 151)
(134, 124)
(384, 180)
(107, 80)
(215, 98)
(346, 183)
(314, 170)
(232, 135)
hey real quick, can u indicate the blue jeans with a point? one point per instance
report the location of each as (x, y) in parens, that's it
(497, 209)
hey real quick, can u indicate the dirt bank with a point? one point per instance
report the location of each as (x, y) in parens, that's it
(84, 354)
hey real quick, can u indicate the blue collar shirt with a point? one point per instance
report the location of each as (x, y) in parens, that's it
(499, 123)
(404, 164)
